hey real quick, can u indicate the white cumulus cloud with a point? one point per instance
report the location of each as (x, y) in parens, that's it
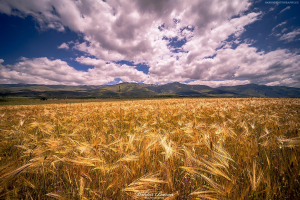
(53, 72)
(150, 32)
(291, 36)
(63, 46)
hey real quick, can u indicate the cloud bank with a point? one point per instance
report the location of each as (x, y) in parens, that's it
(178, 40)
(54, 72)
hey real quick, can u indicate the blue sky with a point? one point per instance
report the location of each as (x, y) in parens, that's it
(92, 42)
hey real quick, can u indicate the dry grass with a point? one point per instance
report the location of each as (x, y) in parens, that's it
(180, 148)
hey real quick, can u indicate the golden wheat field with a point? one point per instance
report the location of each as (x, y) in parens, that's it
(152, 149)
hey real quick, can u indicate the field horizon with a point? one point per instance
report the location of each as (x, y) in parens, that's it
(141, 90)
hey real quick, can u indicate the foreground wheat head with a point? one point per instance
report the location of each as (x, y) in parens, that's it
(172, 149)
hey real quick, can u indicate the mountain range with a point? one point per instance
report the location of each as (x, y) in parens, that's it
(140, 90)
